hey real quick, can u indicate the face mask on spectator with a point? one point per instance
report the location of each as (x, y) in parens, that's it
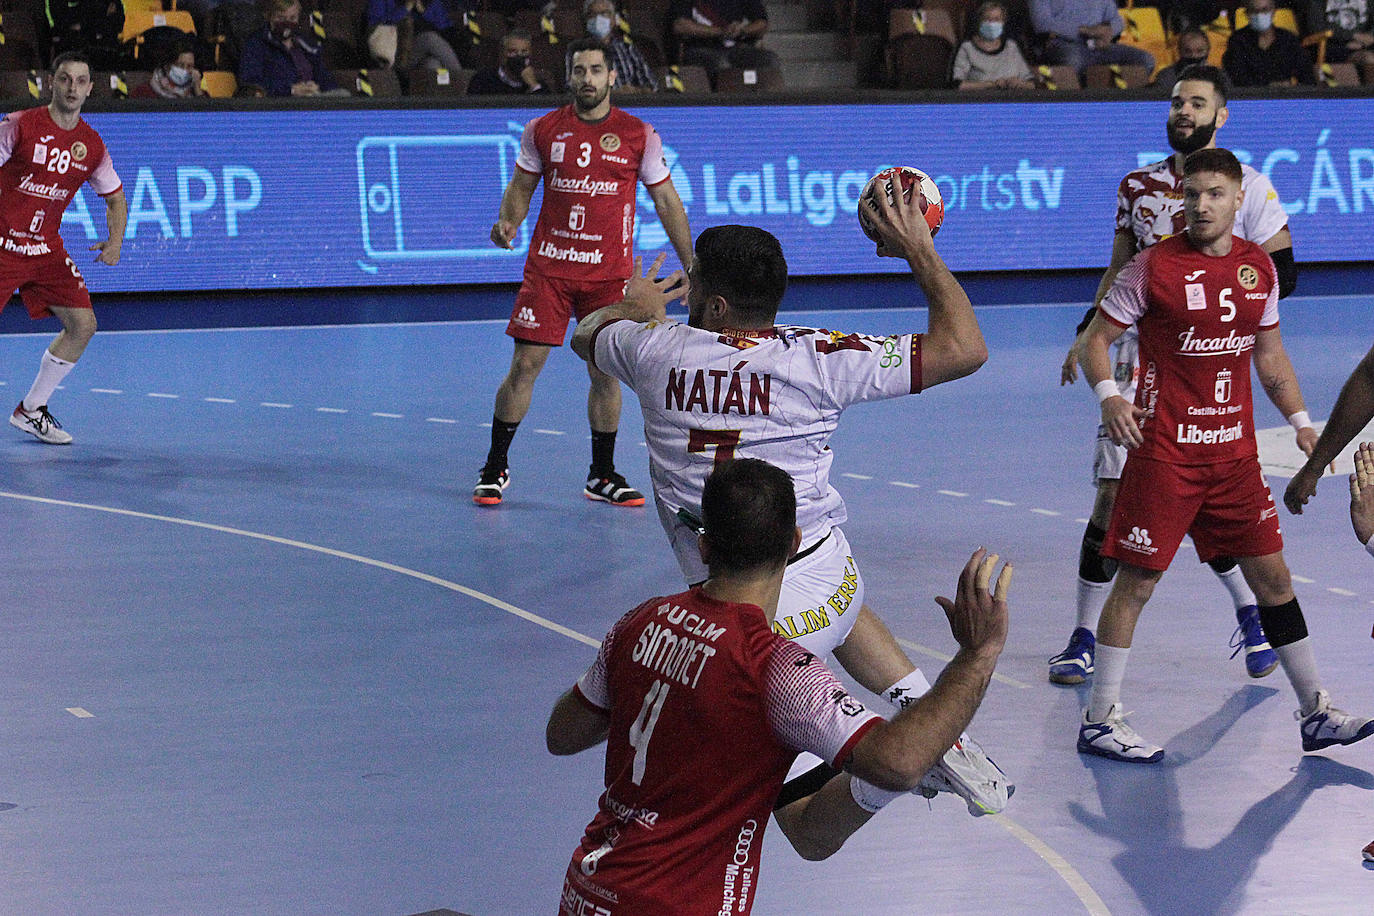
(179, 76)
(599, 26)
(283, 30)
(990, 30)
(516, 64)
(1262, 21)
(1185, 62)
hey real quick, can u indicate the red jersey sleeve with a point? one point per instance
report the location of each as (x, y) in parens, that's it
(1125, 301)
(104, 180)
(9, 136)
(528, 159)
(809, 709)
(1270, 317)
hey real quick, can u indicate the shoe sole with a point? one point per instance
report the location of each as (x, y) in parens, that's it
(1068, 680)
(1108, 755)
(1317, 745)
(1266, 672)
(487, 500)
(24, 427)
(611, 502)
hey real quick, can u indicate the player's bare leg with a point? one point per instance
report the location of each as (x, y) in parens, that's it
(31, 415)
(1322, 724)
(604, 484)
(512, 403)
(1104, 731)
(872, 656)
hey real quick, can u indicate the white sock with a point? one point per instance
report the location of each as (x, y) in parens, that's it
(51, 372)
(1091, 597)
(1109, 669)
(1235, 584)
(1300, 664)
(902, 693)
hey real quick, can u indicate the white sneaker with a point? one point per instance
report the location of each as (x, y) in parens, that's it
(40, 424)
(1326, 725)
(1115, 740)
(967, 772)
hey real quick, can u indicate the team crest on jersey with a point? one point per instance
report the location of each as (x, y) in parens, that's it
(556, 151)
(1247, 277)
(610, 142)
(78, 151)
(40, 154)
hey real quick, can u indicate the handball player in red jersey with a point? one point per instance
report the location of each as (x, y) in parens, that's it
(1203, 301)
(591, 157)
(46, 154)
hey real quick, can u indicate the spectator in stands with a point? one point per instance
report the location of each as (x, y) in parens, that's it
(989, 59)
(1351, 23)
(410, 34)
(1082, 33)
(721, 33)
(632, 71)
(515, 74)
(1262, 55)
(1193, 48)
(281, 59)
(89, 27)
(175, 75)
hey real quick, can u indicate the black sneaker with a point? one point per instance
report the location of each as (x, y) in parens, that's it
(490, 485)
(613, 490)
(41, 425)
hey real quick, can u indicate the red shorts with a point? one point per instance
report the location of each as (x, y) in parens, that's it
(44, 280)
(1227, 509)
(544, 305)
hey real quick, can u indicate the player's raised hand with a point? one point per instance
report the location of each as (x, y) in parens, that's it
(1307, 441)
(1362, 493)
(898, 221)
(647, 295)
(1300, 489)
(503, 234)
(1068, 373)
(1122, 421)
(108, 252)
(978, 613)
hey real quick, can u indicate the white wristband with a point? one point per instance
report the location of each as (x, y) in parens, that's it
(1106, 389)
(1299, 420)
(868, 796)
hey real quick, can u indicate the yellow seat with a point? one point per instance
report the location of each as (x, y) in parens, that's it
(137, 21)
(219, 84)
(1144, 29)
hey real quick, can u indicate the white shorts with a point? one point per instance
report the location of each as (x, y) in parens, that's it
(1108, 457)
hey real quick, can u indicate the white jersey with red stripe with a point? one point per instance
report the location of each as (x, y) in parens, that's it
(773, 393)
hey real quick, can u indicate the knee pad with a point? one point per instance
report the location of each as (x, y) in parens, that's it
(1222, 565)
(1283, 623)
(1092, 566)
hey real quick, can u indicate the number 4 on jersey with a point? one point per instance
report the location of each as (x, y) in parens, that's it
(643, 728)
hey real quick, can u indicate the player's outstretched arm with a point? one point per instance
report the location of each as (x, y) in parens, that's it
(575, 726)
(646, 299)
(515, 206)
(673, 215)
(116, 219)
(1120, 417)
(895, 755)
(953, 346)
(1362, 493)
(1275, 371)
(818, 824)
(1353, 411)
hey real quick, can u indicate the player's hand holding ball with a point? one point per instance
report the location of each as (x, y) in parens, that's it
(900, 223)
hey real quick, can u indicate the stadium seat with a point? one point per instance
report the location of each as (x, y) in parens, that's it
(680, 78)
(1144, 29)
(136, 22)
(934, 22)
(24, 86)
(1115, 76)
(484, 29)
(1057, 78)
(1334, 75)
(920, 61)
(343, 45)
(219, 84)
(1218, 34)
(18, 40)
(741, 79)
(426, 81)
(373, 83)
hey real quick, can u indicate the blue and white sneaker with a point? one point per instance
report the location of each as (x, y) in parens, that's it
(1326, 725)
(1075, 663)
(1115, 740)
(1260, 658)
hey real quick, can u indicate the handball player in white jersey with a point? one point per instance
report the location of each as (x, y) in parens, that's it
(729, 383)
(1149, 210)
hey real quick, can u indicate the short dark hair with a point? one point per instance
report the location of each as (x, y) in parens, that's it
(174, 49)
(1206, 73)
(592, 44)
(1196, 33)
(70, 57)
(1221, 161)
(743, 265)
(749, 511)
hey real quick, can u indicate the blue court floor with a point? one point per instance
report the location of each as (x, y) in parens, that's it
(262, 655)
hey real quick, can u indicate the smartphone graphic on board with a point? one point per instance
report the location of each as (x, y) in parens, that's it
(427, 197)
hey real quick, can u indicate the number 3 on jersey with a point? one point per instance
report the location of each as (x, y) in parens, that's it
(643, 728)
(724, 441)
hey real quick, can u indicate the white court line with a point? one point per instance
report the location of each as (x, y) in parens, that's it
(80, 713)
(388, 416)
(934, 653)
(330, 410)
(950, 493)
(274, 404)
(1303, 580)
(221, 400)
(1341, 591)
(439, 420)
(1076, 882)
(998, 502)
(1045, 512)
(858, 476)
(327, 551)
(903, 483)
(159, 394)
(107, 391)
(548, 432)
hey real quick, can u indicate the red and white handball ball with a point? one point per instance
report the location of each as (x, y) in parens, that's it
(932, 204)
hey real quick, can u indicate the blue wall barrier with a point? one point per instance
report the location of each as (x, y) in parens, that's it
(321, 198)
